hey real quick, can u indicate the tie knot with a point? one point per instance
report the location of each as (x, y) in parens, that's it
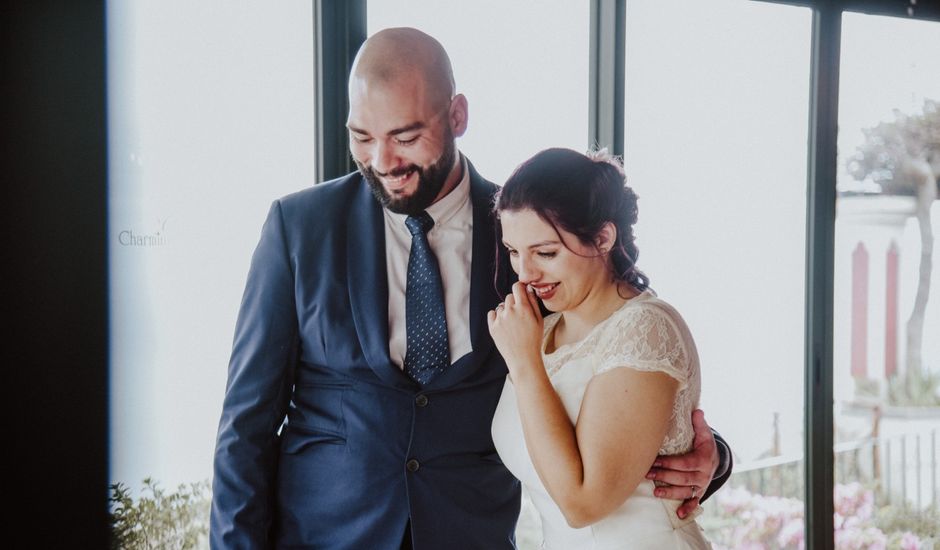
(420, 224)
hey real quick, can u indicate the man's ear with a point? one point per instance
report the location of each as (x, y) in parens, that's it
(457, 116)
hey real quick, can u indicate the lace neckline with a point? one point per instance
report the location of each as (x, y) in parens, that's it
(567, 349)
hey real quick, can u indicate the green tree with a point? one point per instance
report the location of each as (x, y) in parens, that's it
(903, 157)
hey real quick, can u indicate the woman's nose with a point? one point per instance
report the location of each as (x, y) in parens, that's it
(527, 272)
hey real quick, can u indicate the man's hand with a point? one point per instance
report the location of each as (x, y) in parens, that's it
(687, 476)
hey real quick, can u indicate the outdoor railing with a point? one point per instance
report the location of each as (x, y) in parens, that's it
(901, 469)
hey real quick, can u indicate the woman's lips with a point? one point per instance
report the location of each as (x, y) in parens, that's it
(545, 292)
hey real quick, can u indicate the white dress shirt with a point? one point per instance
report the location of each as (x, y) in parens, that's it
(451, 239)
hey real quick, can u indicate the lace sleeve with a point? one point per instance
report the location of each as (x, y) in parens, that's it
(644, 338)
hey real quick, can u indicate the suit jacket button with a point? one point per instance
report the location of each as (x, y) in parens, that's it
(412, 465)
(421, 400)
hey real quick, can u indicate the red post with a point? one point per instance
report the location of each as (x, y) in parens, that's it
(860, 311)
(891, 311)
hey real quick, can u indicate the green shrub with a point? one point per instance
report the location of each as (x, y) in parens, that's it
(923, 523)
(914, 389)
(160, 520)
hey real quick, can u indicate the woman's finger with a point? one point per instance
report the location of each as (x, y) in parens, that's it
(533, 300)
(519, 294)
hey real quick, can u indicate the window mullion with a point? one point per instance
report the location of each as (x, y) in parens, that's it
(605, 126)
(339, 30)
(820, 234)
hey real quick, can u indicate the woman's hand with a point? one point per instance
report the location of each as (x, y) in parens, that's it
(516, 328)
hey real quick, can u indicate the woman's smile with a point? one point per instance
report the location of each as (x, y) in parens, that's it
(544, 291)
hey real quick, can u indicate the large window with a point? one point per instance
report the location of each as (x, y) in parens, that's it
(210, 119)
(716, 111)
(886, 354)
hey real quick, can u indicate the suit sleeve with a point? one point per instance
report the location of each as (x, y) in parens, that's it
(260, 381)
(725, 464)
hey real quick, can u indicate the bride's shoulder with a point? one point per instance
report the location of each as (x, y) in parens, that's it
(646, 305)
(647, 316)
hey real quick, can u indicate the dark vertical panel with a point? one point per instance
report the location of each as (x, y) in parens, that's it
(608, 43)
(820, 234)
(339, 30)
(55, 272)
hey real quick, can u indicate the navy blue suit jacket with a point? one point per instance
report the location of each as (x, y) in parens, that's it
(364, 448)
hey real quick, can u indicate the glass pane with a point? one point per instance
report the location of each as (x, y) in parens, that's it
(716, 104)
(886, 318)
(534, 97)
(210, 119)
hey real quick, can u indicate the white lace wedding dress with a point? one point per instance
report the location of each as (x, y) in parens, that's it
(646, 334)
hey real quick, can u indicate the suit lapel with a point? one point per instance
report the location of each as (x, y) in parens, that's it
(368, 284)
(483, 295)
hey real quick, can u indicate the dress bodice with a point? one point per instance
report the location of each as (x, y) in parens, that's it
(645, 334)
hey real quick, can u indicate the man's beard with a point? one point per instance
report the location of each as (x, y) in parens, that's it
(430, 182)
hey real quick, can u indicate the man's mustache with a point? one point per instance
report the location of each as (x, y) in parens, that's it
(396, 172)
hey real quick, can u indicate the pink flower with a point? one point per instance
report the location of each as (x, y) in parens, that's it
(792, 534)
(853, 501)
(869, 538)
(910, 541)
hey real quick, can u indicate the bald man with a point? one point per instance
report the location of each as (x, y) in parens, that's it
(386, 443)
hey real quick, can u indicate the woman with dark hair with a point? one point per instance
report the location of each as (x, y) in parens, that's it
(604, 384)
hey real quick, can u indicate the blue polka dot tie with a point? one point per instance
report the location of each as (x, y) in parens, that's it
(428, 353)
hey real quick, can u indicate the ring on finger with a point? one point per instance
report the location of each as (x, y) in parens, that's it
(500, 306)
(694, 491)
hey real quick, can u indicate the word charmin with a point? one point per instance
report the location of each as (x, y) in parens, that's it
(157, 238)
